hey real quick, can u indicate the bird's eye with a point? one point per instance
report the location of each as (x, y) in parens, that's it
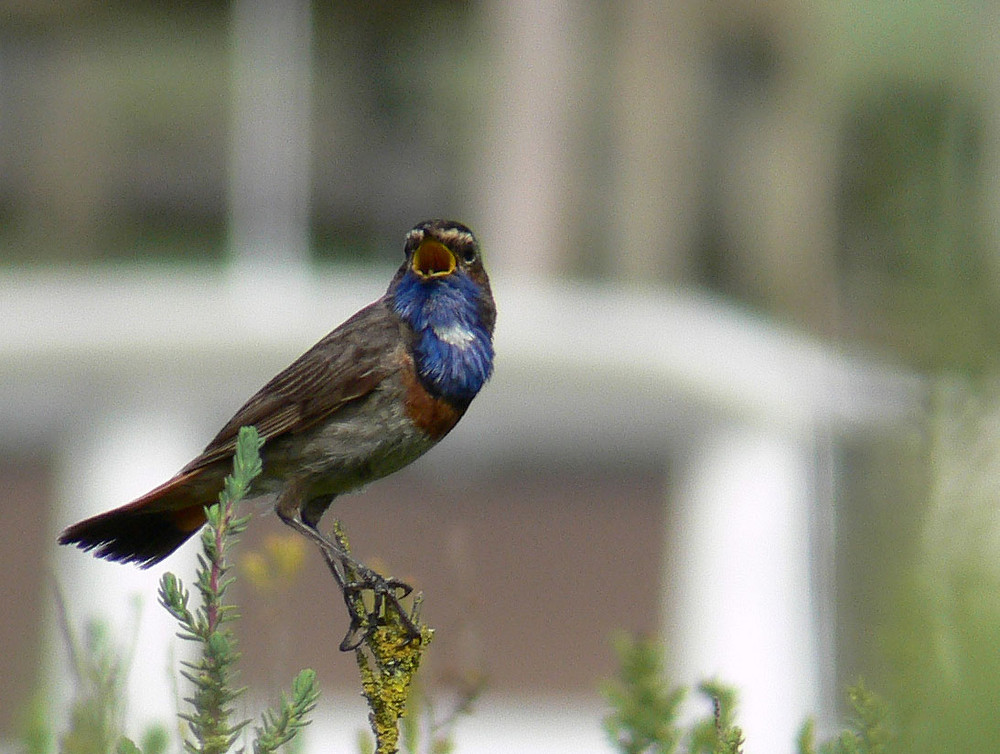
(469, 254)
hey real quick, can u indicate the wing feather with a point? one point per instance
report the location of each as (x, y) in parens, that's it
(344, 366)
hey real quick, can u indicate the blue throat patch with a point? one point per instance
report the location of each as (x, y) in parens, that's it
(454, 351)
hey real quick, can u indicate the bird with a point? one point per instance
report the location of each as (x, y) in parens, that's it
(371, 397)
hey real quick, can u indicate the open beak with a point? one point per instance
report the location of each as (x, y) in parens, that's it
(433, 260)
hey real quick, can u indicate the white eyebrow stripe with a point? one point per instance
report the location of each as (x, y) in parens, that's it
(454, 235)
(447, 236)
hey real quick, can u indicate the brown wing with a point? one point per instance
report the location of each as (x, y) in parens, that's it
(345, 365)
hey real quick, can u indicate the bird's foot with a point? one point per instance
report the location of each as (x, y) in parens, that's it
(354, 579)
(386, 606)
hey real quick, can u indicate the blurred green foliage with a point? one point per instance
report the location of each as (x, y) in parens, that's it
(941, 628)
(869, 731)
(917, 275)
(645, 708)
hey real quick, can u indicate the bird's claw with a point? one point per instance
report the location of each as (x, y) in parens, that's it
(385, 598)
(355, 578)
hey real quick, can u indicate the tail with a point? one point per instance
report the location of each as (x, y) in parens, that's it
(146, 530)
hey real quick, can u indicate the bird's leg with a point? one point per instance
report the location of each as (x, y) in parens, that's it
(354, 577)
(359, 627)
(351, 575)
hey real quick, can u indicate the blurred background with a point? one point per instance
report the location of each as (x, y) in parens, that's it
(745, 261)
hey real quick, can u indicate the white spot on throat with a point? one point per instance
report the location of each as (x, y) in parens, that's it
(455, 335)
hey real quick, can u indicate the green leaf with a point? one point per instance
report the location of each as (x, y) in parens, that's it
(125, 746)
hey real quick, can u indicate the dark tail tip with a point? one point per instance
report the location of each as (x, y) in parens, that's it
(135, 537)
